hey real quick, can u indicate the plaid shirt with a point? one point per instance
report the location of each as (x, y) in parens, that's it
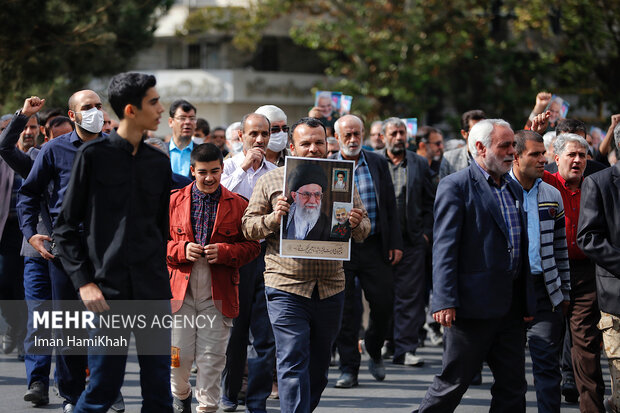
(507, 205)
(363, 182)
(294, 275)
(204, 209)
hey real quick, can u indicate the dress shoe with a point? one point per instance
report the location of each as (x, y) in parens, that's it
(37, 394)
(411, 359)
(377, 369)
(119, 404)
(182, 406)
(68, 408)
(346, 381)
(569, 391)
(227, 405)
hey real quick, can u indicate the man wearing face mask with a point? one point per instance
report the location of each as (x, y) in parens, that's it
(278, 140)
(241, 172)
(53, 166)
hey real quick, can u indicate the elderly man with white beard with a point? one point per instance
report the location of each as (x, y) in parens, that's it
(482, 287)
(371, 261)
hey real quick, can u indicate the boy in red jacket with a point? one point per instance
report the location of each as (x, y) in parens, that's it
(205, 250)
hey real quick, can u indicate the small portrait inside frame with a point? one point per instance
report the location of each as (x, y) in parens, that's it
(341, 227)
(340, 180)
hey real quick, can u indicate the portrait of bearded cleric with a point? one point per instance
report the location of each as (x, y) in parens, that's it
(305, 221)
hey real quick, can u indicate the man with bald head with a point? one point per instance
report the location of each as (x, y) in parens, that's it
(52, 167)
(371, 261)
(240, 175)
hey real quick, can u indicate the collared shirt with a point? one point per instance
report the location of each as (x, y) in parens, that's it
(235, 179)
(571, 200)
(180, 158)
(506, 204)
(204, 209)
(53, 164)
(294, 275)
(530, 205)
(363, 182)
(399, 179)
(122, 202)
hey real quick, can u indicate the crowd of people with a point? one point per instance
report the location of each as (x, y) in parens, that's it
(512, 236)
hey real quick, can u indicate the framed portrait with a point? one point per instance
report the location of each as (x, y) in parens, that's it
(320, 194)
(340, 180)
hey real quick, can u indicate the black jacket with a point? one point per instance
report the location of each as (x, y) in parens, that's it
(121, 202)
(598, 233)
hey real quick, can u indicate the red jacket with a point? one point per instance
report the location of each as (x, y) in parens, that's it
(233, 249)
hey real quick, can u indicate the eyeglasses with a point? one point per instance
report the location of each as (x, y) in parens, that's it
(184, 118)
(276, 129)
(306, 195)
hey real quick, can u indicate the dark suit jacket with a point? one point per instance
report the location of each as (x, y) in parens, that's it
(471, 255)
(387, 215)
(420, 198)
(599, 233)
(319, 232)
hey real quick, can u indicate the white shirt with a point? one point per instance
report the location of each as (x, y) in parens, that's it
(235, 179)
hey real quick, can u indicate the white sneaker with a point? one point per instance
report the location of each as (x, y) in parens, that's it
(412, 360)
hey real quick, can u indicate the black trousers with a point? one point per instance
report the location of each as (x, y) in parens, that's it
(501, 343)
(375, 276)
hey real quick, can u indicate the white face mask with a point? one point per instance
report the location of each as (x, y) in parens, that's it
(237, 147)
(277, 141)
(92, 120)
(198, 141)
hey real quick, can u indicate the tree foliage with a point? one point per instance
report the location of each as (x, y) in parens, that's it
(415, 57)
(53, 47)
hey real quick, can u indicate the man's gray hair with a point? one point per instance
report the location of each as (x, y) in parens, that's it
(482, 131)
(617, 135)
(377, 122)
(337, 124)
(332, 140)
(235, 126)
(8, 116)
(548, 139)
(559, 146)
(159, 144)
(272, 112)
(390, 122)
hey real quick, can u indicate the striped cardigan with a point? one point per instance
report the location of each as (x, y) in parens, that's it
(553, 249)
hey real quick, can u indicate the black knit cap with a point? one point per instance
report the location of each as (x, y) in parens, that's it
(307, 173)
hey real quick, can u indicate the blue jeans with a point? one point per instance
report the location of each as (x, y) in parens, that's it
(305, 330)
(544, 335)
(70, 372)
(252, 316)
(107, 371)
(38, 292)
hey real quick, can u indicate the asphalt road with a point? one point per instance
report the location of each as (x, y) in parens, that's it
(402, 390)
